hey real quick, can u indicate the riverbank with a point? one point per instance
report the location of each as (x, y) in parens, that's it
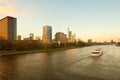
(7, 53)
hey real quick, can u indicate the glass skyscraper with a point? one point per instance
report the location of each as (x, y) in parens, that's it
(47, 34)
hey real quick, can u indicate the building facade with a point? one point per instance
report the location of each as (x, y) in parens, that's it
(71, 36)
(19, 37)
(89, 41)
(8, 28)
(47, 34)
(60, 37)
(31, 36)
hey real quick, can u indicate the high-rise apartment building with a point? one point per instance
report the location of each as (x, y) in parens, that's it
(47, 34)
(8, 28)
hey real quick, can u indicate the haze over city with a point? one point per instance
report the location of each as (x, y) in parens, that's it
(89, 19)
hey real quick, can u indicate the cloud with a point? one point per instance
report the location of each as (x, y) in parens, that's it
(7, 10)
(6, 2)
(7, 7)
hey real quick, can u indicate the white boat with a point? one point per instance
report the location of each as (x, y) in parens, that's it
(97, 52)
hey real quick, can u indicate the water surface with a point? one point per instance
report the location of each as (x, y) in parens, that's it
(72, 64)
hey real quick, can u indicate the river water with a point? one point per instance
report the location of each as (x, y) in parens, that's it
(72, 64)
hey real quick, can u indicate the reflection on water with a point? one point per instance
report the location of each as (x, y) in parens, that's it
(73, 64)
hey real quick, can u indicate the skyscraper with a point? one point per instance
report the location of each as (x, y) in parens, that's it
(31, 36)
(8, 28)
(71, 37)
(47, 34)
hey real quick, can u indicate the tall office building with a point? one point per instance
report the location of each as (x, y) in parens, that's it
(31, 36)
(8, 28)
(71, 37)
(47, 34)
(61, 37)
(69, 34)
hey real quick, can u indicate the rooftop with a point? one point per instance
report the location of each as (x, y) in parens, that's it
(6, 17)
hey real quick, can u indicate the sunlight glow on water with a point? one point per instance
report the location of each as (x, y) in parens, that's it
(73, 64)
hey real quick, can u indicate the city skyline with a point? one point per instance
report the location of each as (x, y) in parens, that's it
(96, 20)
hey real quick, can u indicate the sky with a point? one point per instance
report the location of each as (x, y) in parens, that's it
(98, 20)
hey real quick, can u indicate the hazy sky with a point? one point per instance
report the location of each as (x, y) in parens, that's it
(89, 19)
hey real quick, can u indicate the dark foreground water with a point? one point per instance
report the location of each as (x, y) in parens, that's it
(73, 64)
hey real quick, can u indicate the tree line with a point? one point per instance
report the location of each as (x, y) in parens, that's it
(35, 44)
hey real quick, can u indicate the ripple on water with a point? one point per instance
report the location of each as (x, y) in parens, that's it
(73, 64)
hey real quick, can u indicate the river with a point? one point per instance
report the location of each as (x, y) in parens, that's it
(72, 64)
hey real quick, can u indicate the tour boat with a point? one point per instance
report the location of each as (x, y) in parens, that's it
(97, 52)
